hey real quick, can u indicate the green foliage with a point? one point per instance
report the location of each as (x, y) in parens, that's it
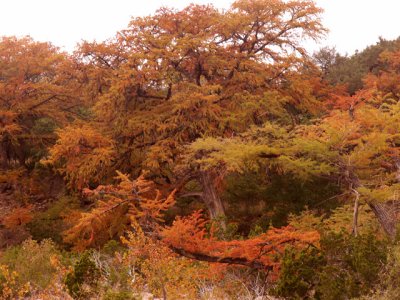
(44, 126)
(353, 265)
(337, 220)
(300, 271)
(83, 278)
(260, 198)
(351, 70)
(233, 153)
(230, 232)
(344, 267)
(389, 277)
(256, 231)
(341, 218)
(32, 262)
(120, 295)
(111, 247)
(50, 224)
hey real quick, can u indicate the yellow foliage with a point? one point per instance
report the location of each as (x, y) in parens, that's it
(82, 155)
(155, 267)
(9, 288)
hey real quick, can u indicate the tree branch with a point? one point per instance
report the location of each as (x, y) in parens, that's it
(255, 264)
(191, 194)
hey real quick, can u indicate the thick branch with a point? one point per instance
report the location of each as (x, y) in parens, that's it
(255, 264)
(268, 155)
(191, 194)
(42, 102)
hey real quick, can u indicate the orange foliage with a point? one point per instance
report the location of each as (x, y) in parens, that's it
(18, 217)
(116, 208)
(37, 88)
(174, 76)
(387, 81)
(138, 203)
(188, 237)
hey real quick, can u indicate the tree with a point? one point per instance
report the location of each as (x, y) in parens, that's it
(325, 59)
(351, 70)
(356, 145)
(176, 76)
(38, 92)
(361, 147)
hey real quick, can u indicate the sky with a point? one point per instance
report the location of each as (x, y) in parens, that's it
(353, 24)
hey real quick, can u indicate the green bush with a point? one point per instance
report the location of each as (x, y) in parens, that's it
(84, 277)
(389, 278)
(345, 267)
(50, 224)
(111, 247)
(353, 266)
(31, 261)
(299, 272)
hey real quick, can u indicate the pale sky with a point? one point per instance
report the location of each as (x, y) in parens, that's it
(353, 24)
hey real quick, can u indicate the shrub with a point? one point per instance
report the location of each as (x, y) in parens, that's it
(345, 267)
(299, 272)
(124, 295)
(83, 278)
(50, 224)
(32, 262)
(9, 287)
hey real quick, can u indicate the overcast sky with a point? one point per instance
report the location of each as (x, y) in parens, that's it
(353, 24)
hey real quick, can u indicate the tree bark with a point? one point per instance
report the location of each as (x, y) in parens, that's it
(386, 214)
(210, 196)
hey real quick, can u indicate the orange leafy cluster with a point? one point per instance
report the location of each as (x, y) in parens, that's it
(18, 217)
(188, 236)
(117, 207)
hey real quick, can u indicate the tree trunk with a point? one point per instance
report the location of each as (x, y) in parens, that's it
(355, 213)
(386, 214)
(210, 196)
